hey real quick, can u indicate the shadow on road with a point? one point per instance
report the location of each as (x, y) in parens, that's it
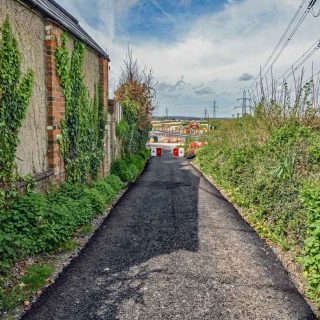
(157, 216)
(173, 248)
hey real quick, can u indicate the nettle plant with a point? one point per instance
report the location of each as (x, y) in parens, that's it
(15, 94)
(82, 139)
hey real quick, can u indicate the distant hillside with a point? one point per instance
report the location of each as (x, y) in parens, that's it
(183, 118)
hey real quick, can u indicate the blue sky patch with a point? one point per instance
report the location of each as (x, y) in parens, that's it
(164, 20)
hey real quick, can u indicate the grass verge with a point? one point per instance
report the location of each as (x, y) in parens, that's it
(40, 226)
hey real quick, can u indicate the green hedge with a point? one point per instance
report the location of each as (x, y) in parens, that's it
(115, 182)
(270, 174)
(39, 223)
(129, 167)
(43, 223)
(310, 196)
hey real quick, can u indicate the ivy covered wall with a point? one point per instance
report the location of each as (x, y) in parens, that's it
(90, 65)
(28, 29)
(39, 148)
(83, 127)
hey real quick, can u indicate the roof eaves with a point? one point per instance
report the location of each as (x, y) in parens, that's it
(55, 12)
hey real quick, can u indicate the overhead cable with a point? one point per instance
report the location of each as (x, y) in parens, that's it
(306, 56)
(264, 71)
(284, 34)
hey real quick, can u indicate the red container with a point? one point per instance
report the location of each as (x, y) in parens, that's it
(176, 152)
(159, 152)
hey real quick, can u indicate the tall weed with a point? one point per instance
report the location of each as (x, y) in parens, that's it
(265, 169)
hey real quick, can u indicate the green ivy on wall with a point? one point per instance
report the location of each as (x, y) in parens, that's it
(15, 94)
(133, 138)
(82, 140)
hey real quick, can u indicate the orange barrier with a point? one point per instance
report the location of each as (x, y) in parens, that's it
(194, 146)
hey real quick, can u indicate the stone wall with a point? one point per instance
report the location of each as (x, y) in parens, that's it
(114, 144)
(28, 28)
(91, 70)
(95, 72)
(38, 153)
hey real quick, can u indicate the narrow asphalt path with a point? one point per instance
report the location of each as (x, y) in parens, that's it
(173, 248)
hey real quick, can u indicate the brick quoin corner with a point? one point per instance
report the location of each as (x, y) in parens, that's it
(56, 101)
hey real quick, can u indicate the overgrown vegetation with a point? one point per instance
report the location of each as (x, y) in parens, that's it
(136, 94)
(33, 225)
(310, 196)
(83, 127)
(39, 224)
(33, 279)
(15, 94)
(129, 167)
(272, 170)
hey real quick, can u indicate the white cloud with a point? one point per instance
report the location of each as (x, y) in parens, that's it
(218, 48)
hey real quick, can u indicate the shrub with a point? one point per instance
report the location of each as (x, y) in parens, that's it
(105, 190)
(67, 191)
(122, 129)
(96, 199)
(120, 168)
(38, 223)
(128, 168)
(137, 160)
(134, 171)
(115, 182)
(311, 248)
(314, 151)
(265, 172)
(288, 134)
(144, 153)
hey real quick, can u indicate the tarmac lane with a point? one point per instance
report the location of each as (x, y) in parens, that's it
(173, 248)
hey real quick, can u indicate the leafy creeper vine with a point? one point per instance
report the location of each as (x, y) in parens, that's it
(133, 137)
(82, 140)
(15, 94)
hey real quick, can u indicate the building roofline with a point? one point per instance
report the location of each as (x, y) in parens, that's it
(52, 10)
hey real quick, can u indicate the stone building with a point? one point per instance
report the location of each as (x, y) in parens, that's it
(37, 24)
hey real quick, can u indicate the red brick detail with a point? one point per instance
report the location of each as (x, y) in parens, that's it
(104, 83)
(104, 70)
(55, 100)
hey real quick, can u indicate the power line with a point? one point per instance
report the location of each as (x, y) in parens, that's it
(281, 39)
(316, 15)
(285, 44)
(302, 59)
(302, 62)
(244, 106)
(288, 40)
(214, 109)
(284, 34)
(206, 114)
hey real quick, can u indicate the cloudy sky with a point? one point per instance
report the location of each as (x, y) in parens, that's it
(199, 50)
